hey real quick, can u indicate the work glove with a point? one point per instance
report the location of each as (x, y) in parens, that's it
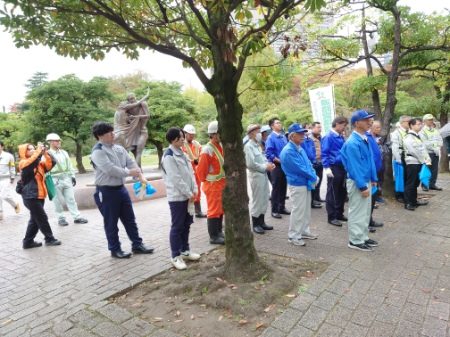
(437, 151)
(74, 181)
(328, 172)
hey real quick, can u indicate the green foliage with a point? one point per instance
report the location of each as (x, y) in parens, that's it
(67, 106)
(368, 84)
(38, 79)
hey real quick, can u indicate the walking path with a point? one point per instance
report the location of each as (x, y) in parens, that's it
(401, 289)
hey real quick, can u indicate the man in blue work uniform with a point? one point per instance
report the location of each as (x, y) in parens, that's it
(308, 146)
(300, 177)
(274, 144)
(112, 164)
(357, 158)
(331, 146)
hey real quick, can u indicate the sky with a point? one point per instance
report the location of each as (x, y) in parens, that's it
(19, 64)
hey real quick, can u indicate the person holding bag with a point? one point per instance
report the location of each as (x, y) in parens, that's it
(34, 191)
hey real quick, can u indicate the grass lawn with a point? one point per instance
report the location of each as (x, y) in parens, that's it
(147, 160)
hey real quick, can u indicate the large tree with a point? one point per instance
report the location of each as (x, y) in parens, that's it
(69, 107)
(215, 35)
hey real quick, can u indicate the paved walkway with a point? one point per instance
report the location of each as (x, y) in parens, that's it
(402, 289)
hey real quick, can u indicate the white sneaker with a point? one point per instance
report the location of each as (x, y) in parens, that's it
(188, 255)
(310, 236)
(297, 242)
(178, 262)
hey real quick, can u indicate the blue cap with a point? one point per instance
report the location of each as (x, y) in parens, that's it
(296, 128)
(360, 114)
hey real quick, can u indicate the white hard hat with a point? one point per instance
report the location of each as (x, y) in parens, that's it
(189, 129)
(52, 136)
(213, 127)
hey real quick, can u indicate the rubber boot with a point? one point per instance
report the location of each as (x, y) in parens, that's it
(263, 224)
(213, 225)
(256, 226)
(221, 234)
(198, 210)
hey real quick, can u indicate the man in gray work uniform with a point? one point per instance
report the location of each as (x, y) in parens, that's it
(112, 164)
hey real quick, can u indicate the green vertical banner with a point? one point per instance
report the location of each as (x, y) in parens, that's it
(322, 105)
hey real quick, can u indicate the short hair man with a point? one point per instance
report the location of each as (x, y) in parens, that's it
(433, 142)
(358, 161)
(274, 144)
(210, 170)
(331, 146)
(192, 148)
(300, 177)
(415, 156)
(63, 176)
(310, 150)
(112, 164)
(398, 153)
(7, 175)
(316, 131)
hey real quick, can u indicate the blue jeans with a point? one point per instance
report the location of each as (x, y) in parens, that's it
(114, 203)
(181, 224)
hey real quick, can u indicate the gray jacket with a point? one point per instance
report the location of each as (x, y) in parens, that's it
(431, 138)
(397, 143)
(112, 164)
(415, 150)
(178, 175)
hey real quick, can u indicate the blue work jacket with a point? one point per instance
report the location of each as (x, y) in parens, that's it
(331, 145)
(376, 151)
(274, 144)
(308, 146)
(296, 165)
(357, 158)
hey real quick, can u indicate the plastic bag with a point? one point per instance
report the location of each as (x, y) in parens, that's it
(399, 177)
(425, 175)
(148, 190)
(51, 189)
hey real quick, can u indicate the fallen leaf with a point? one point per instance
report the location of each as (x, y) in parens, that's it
(417, 254)
(290, 295)
(177, 314)
(228, 315)
(220, 318)
(269, 308)
(446, 256)
(157, 318)
(257, 288)
(200, 316)
(232, 285)
(259, 325)
(234, 288)
(243, 321)
(347, 290)
(179, 320)
(123, 296)
(426, 291)
(442, 289)
(136, 305)
(219, 279)
(192, 317)
(203, 305)
(7, 321)
(436, 297)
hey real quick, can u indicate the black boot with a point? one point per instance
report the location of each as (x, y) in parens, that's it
(256, 226)
(213, 226)
(198, 210)
(263, 224)
(221, 234)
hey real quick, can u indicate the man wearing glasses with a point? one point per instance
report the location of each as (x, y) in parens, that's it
(63, 177)
(274, 144)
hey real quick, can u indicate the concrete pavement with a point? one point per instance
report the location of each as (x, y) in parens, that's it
(401, 289)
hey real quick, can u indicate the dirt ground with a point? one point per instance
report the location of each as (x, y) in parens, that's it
(199, 302)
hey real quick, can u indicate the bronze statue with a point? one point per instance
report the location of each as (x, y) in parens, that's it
(130, 122)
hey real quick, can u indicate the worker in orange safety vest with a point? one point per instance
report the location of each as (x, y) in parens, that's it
(192, 148)
(211, 173)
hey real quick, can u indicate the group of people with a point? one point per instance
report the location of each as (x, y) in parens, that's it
(295, 160)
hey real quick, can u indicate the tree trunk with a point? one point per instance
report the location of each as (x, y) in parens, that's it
(242, 260)
(159, 149)
(369, 69)
(391, 100)
(79, 159)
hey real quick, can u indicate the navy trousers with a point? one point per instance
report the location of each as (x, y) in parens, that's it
(181, 225)
(114, 204)
(336, 192)
(279, 189)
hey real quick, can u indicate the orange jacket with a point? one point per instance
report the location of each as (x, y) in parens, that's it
(208, 163)
(195, 150)
(34, 167)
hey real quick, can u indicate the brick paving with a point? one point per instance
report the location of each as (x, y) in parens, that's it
(401, 289)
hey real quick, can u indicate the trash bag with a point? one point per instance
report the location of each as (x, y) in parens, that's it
(399, 177)
(51, 189)
(425, 175)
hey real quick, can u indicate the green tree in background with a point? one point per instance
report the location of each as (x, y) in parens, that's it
(69, 107)
(38, 79)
